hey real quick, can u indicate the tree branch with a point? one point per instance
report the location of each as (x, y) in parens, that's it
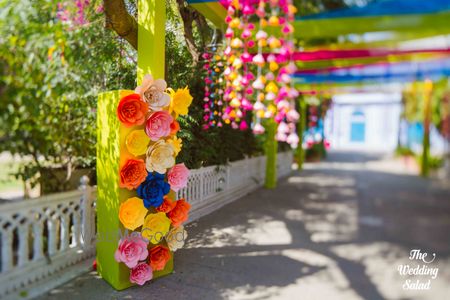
(119, 20)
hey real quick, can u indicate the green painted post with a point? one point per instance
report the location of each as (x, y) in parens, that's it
(301, 126)
(425, 168)
(111, 152)
(151, 38)
(271, 149)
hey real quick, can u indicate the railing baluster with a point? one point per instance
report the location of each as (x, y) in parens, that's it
(51, 226)
(65, 220)
(7, 254)
(76, 220)
(24, 233)
(37, 239)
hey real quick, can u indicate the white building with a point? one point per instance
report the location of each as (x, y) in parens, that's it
(368, 121)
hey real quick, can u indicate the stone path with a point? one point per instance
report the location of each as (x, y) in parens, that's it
(339, 229)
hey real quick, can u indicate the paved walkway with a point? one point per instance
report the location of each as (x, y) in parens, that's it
(337, 230)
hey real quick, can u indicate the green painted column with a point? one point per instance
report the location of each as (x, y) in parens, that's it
(425, 167)
(111, 149)
(151, 38)
(301, 126)
(271, 149)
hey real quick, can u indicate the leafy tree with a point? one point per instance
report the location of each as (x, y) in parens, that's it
(55, 59)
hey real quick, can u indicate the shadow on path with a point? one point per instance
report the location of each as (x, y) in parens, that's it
(328, 232)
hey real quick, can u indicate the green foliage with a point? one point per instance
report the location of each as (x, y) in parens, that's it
(51, 72)
(404, 151)
(414, 99)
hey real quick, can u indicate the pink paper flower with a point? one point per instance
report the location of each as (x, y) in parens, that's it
(131, 250)
(141, 273)
(258, 129)
(178, 177)
(158, 125)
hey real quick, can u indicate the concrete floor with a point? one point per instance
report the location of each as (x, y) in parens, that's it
(339, 229)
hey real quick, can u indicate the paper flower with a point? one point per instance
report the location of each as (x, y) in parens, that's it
(141, 273)
(258, 129)
(131, 250)
(132, 213)
(174, 127)
(292, 139)
(132, 110)
(180, 213)
(176, 237)
(155, 227)
(258, 59)
(178, 177)
(158, 125)
(152, 92)
(176, 143)
(153, 189)
(166, 206)
(181, 100)
(132, 174)
(160, 157)
(158, 257)
(137, 142)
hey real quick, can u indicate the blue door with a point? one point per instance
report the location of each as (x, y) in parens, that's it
(357, 127)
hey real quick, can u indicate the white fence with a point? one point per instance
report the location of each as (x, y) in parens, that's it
(41, 237)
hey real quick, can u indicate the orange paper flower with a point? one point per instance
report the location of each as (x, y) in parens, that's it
(180, 213)
(166, 206)
(132, 174)
(132, 110)
(174, 127)
(158, 257)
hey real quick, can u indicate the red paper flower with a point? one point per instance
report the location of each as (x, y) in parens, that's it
(132, 110)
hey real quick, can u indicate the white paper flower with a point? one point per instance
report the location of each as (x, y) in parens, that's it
(176, 237)
(153, 92)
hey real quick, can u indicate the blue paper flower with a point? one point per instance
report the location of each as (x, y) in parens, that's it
(153, 189)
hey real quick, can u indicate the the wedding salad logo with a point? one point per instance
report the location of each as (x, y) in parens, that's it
(421, 272)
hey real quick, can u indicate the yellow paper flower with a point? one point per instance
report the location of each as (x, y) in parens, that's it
(181, 100)
(274, 21)
(176, 144)
(272, 87)
(160, 157)
(155, 227)
(137, 142)
(132, 213)
(274, 43)
(273, 66)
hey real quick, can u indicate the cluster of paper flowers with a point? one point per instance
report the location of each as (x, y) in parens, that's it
(154, 214)
(259, 66)
(212, 106)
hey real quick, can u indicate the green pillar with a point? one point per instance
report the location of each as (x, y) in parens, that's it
(111, 149)
(301, 126)
(151, 38)
(271, 148)
(425, 168)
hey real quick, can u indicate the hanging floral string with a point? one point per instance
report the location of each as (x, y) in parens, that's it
(261, 82)
(213, 104)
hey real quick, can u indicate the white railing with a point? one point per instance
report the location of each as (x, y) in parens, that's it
(41, 237)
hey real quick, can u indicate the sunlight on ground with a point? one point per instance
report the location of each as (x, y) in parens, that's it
(262, 231)
(323, 181)
(328, 282)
